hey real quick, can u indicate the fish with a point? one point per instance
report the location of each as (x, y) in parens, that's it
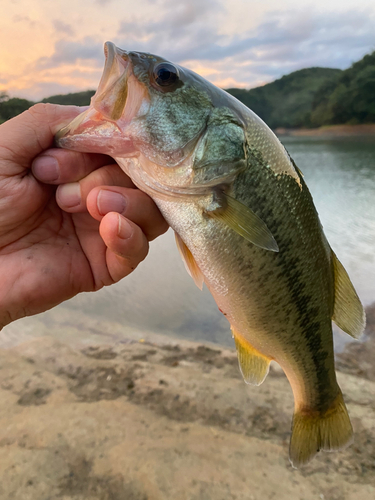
(245, 225)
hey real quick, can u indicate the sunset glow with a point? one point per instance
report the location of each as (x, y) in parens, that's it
(57, 47)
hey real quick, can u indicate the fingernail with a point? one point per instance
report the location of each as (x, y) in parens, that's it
(46, 168)
(110, 201)
(124, 228)
(70, 194)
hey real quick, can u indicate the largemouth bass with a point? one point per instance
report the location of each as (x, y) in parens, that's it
(245, 225)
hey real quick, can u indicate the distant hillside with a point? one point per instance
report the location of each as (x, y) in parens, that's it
(350, 99)
(10, 107)
(314, 97)
(287, 102)
(77, 99)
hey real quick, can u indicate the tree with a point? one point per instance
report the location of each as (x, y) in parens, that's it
(12, 106)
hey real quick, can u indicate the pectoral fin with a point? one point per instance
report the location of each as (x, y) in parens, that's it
(189, 261)
(254, 366)
(348, 313)
(246, 223)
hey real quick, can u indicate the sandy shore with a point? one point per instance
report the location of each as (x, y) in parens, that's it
(147, 420)
(332, 130)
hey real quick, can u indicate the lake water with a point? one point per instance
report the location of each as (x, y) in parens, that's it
(160, 297)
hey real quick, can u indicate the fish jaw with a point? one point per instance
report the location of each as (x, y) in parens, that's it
(119, 99)
(87, 131)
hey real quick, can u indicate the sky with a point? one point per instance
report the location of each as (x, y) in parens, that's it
(52, 47)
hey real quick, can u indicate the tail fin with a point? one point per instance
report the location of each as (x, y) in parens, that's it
(313, 431)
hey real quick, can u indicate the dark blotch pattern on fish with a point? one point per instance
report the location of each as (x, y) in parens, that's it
(252, 188)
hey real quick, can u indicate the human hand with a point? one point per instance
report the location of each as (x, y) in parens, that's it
(57, 242)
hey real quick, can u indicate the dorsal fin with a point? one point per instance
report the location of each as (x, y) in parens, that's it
(254, 366)
(189, 261)
(348, 312)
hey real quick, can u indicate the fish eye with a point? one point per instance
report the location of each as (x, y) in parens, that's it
(165, 74)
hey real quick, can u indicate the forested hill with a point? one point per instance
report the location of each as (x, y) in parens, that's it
(78, 99)
(309, 97)
(350, 99)
(10, 107)
(314, 97)
(287, 102)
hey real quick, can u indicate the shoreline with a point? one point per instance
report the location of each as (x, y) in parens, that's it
(153, 418)
(329, 131)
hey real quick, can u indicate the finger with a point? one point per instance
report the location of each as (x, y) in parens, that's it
(71, 197)
(60, 166)
(127, 245)
(132, 204)
(24, 137)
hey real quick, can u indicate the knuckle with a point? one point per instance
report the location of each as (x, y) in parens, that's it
(130, 260)
(41, 109)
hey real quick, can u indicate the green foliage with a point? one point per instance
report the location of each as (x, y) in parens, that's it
(77, 99)
(255, 99)
(314, 97)
(351, 99)
(10, 107)
(287, 102)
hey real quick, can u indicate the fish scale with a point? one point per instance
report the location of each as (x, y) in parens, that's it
(245, 225)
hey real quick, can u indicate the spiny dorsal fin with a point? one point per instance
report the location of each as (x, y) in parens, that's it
(313, 431)
(189, 261)
(348, 313)
(246, 223)
(254, 366)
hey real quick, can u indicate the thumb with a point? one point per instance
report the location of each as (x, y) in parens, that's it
(28, 134)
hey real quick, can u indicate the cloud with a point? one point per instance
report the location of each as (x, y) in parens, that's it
(333, 40)
(287, 39)
(191, 33)
(181, 15)
(283, 42)
(69, 51)
(24, 19)
(182, 28)
(62, 27)
(51, 81)
(45, 89)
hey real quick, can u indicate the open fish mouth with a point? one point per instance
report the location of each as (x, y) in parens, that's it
(110, 98)
(106, 108)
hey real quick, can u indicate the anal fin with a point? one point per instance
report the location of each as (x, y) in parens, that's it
(189, 261)
(254, 366)
(348, 312)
